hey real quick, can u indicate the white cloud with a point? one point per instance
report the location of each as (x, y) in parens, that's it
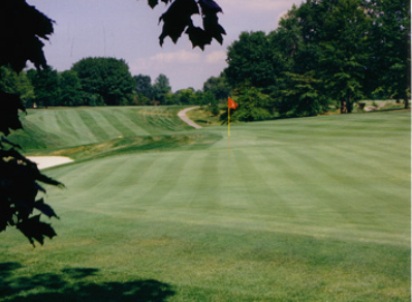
(181, 56)
(163, 59)
(216, 57)
(255, 5)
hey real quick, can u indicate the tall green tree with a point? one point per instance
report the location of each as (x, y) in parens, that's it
(105, 81)
(143, 87)
(46, 86)
(251, 60)
(161, 88)
(17, 83)
(71, 93)
(218, 87)
(390, 44)
(337, 33)
(302, 96)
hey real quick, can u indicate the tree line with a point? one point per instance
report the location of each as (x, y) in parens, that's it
(95, 82)
(324, 55)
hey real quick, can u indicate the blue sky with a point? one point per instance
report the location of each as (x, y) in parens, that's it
(129, 30)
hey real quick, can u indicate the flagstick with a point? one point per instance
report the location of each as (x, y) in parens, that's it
(228, 122)
(228, 129)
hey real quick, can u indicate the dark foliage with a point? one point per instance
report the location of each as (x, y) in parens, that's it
(22, 28)
(10, 106)
(76, 284)
(19, 188)
(178, 20)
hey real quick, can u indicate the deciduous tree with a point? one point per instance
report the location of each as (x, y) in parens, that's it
(390, 32)
(46, 86)
(71, 93)
(161, 88)
(143, 88)
(106, 80)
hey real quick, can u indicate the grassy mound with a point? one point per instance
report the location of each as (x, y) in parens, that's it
(85, 133)
(311, 209)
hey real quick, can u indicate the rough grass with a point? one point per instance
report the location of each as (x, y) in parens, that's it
(61, 128)
(203, 117)
(313, 209)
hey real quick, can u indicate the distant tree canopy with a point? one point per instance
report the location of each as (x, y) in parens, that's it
(218, 87)
(327, 53)
(105, 81)
(143, 88)
(161, 88)
(46, 86)
(95, 82)
(22, 30)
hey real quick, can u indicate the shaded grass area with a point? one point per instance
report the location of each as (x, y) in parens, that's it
(75, 284)
(203, 117)
(314, 209)
(209, 263)
(134, 144)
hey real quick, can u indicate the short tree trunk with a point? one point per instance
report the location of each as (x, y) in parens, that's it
(406, 102)
(343, 107)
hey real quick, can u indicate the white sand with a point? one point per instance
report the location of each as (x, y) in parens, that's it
(44, 162)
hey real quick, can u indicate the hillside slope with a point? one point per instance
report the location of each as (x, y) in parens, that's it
(90, 131)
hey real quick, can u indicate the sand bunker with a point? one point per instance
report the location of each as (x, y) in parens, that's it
(44, 162)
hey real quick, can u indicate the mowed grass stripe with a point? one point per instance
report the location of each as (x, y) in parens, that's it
(102, 127)
(313, 178)
(156, 181)
(258, 179)
(367, 172)
(208, 179)
(172, 188)
(349, 198)
(104, 182)
(303, 189)
(78, 126)
(264, 220)
(128, 124)
(51, 119)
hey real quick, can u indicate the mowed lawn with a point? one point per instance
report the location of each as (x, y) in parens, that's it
(310, 209)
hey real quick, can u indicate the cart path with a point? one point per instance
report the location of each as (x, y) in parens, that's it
(182, 115)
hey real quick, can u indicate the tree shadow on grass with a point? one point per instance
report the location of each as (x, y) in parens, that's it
(72, 284)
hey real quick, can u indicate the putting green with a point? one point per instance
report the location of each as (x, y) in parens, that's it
(314, 209)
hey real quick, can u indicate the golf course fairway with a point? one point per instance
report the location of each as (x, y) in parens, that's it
(309, 209)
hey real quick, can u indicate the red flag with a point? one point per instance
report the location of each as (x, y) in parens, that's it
(231, 104)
